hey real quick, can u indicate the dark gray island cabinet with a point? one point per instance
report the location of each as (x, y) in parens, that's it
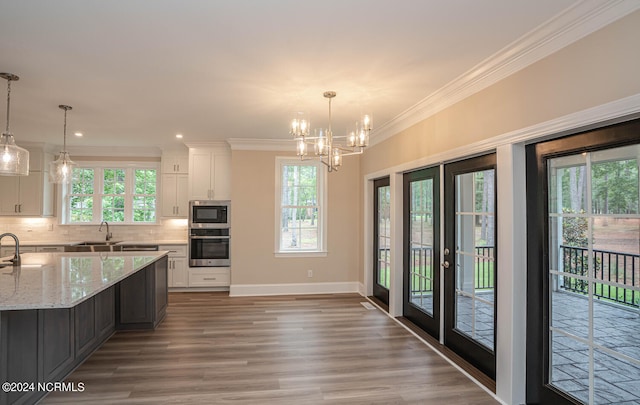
(43, 345)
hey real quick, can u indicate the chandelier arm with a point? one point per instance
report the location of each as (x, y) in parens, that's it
(353, 152)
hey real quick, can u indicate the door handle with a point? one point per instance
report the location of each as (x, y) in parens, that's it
(445, 264)
(446, 251)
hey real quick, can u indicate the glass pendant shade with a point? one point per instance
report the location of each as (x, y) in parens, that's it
(14, 160)
(301, 149)
(61, 169)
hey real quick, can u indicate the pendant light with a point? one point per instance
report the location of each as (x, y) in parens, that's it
(61, 170)
(14, 160)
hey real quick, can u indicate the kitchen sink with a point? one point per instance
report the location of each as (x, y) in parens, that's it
(98, 243)
(102, 246)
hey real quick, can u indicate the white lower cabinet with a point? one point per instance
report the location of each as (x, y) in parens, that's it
(177, 270)
(209, 277)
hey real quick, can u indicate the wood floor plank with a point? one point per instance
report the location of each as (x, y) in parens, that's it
(314, 349)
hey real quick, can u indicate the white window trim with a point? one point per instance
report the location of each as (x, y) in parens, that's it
(98, 185)
(321, 182)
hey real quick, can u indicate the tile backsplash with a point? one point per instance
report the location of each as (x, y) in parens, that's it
(48, 230)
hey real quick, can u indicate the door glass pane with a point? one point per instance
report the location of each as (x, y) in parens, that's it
(594, 275)
(475, 256)
(384, 235)
(421, 267)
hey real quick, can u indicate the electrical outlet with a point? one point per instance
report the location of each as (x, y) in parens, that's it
(309, 273)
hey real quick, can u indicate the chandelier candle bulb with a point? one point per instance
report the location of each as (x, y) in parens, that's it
(301, 150)
(299, 126)
(337, 157)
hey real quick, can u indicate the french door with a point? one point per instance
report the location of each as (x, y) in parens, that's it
(421, 301)
(583, 286)
(470, 260)
(381, 239)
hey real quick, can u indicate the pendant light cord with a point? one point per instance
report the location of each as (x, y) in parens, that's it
(8, 101)
(64, 139)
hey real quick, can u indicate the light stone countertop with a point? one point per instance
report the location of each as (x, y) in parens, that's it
(6, 242)
(63, 280)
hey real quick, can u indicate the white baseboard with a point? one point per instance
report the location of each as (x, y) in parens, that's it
(238, 290)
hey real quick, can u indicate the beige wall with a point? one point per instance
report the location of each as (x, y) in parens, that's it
(600, 68)
(253, 225)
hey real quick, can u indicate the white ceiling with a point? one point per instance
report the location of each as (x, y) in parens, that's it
(137, 72)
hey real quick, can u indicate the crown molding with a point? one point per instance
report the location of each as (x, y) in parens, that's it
(620, 110)
(261, 144)
(567, 27)
(108, 151)
(208, 144)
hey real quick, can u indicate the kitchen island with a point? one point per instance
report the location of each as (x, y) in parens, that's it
(57, 308)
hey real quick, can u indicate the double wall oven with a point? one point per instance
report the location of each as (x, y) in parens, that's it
(209, 233)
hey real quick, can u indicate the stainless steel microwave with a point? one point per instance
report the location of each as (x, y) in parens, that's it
(209, 214)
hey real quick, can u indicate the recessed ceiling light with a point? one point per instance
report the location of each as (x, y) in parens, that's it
(179, 136)
(78, 134)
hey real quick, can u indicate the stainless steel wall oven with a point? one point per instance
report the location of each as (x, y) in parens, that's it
(209, 234)
(209, 247)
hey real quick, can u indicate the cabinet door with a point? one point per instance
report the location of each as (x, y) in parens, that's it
(182, 164)
(175, 200)
(182, 195)
(200, 175)
(175, 163)
(10, 187)
(30, 194)
(169, 182)
(179, 275)
(222, 177)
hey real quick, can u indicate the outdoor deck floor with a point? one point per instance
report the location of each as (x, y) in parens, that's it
(616, 344)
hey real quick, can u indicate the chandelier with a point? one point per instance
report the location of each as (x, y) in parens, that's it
(329, 149)
(14, 160)
(60, 170)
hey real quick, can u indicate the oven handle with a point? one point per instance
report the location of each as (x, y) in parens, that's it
(208, 237)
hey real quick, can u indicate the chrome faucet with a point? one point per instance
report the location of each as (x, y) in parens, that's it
(16, 255)
(109, 236)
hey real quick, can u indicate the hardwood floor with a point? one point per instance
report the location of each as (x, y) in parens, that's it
(319, 349)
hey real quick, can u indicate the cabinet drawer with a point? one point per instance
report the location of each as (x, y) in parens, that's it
(209, 277)
(175, 250)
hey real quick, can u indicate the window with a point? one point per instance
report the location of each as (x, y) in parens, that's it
(106, 192)
(300, 206)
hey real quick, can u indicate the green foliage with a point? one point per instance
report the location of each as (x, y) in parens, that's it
(574, 229)
(615, 187)
(112, 200)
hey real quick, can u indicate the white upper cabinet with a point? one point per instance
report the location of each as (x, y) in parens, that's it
(30, 195)
(175, 201)
(175, 162)
(210, 173)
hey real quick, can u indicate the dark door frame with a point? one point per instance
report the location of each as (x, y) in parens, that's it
(429, 324)
(538, 389)
(476, 354)
(379, 291)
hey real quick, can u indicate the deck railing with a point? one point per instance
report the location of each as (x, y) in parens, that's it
(620, 268)
(484, 274)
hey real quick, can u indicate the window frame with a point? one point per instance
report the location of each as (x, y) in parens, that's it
(98, 187)
(321, 193)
